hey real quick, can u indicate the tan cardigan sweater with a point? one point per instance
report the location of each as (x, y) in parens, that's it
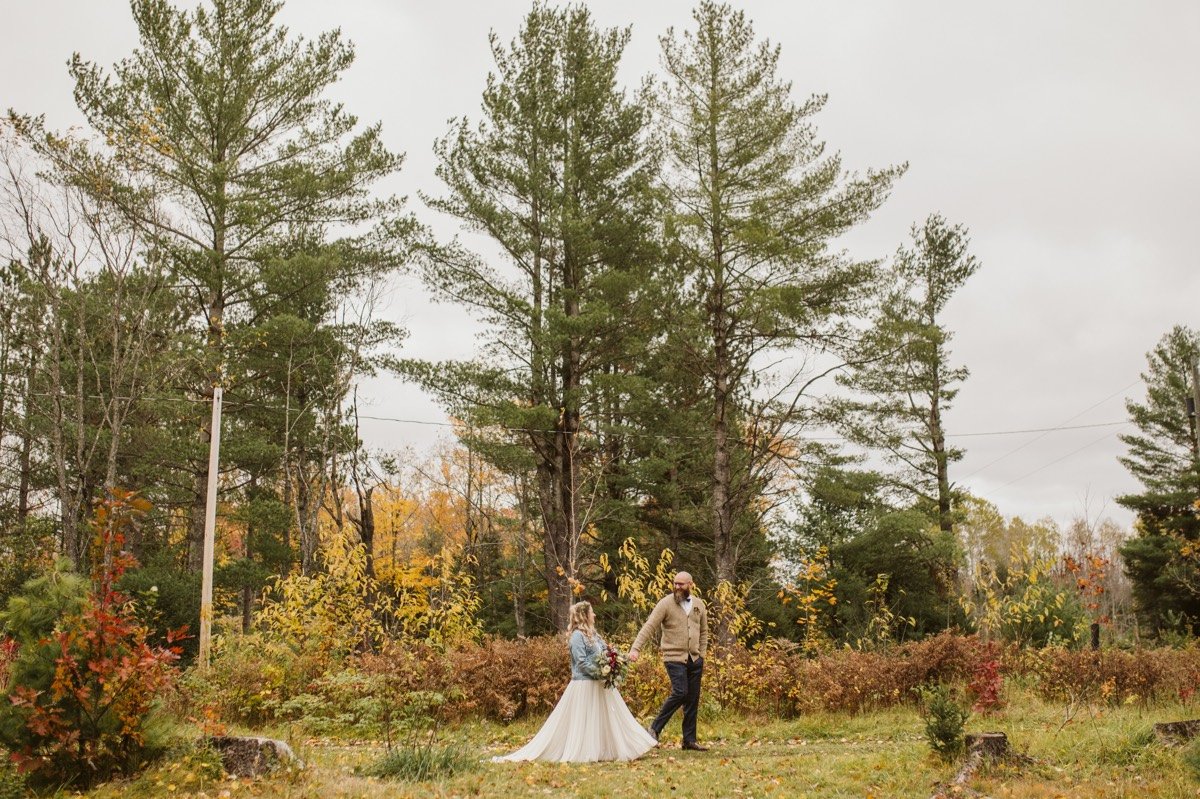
(682, 634)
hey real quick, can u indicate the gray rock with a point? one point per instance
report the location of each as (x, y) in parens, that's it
(251, 757)
(1174, 733)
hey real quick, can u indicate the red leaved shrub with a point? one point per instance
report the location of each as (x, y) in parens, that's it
(986, 683)
(80, 698)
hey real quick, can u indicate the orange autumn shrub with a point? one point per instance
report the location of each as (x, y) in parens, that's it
(1114, 676)
(407, 667)
(844, 681)
(646, 686)
(777, 678)
(751, 680)
(503, 679)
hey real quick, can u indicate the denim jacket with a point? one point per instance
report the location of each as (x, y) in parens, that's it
(583, 656)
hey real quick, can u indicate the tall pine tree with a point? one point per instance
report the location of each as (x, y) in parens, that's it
(905, 374)
(557, 175)
(1163, 559)
(225, 147)
(757, 204)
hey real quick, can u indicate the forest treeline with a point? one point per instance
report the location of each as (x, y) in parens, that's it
(681, 365)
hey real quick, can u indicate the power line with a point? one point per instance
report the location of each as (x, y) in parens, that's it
(806, 438)
(1046, 431)
(1040, 430)
(642, 434)
(1058, 460)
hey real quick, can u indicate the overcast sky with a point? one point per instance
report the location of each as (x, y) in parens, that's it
(1064, 135)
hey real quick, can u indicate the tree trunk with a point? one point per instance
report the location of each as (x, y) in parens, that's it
(247, 608)
(26, 455)
(556, 544)
(214, 352)
(718, 315)
(567, 479)
(722, 483)
(305, 515)
(519, 612)
(1174, 733)
(1195, 419)
(471, 549)
(6, 334)
(366, 528)
(214, 345)
(519, 580)
(941, 457)
(726, 561)
(247, 593)
(992, 745)
(25, 478)
(195, 529)
(67, 495)
(674, 534)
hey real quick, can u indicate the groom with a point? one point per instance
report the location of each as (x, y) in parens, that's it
(681, 620)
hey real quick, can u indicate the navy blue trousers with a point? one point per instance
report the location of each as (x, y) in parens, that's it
(685, 693)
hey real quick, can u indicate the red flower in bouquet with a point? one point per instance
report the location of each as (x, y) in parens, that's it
(613, 667)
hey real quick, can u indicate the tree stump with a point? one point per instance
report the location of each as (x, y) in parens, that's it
(1177, 732)
(990, 745)
(251, 757)
(981, 747)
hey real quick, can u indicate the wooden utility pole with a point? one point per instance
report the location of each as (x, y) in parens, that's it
(210, 526)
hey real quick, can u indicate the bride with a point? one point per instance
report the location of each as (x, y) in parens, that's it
(590, 722)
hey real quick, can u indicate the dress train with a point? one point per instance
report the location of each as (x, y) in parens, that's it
(589, 723)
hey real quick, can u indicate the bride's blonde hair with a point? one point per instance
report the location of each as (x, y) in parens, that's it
(581, 619)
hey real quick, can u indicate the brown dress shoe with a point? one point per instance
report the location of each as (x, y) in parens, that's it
(695, 747)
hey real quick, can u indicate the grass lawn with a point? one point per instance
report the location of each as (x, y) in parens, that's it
(1097, 752)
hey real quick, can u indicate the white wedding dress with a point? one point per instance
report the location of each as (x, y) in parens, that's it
(589, 723)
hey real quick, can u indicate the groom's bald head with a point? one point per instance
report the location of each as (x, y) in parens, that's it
(682, 586)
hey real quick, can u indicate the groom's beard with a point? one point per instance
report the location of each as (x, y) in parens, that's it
(682, 594)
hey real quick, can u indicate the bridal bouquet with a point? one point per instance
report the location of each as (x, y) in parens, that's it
(613, 667)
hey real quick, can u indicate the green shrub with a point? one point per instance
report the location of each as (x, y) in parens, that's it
(420, 761)
(167, 598)
(1191, 758)
(28, 623)
(31, 615)
(195, 756)
(1128, 749)
(25, 551)
(945, 719)
(12, 784)
(252, 675)
(362, 705)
